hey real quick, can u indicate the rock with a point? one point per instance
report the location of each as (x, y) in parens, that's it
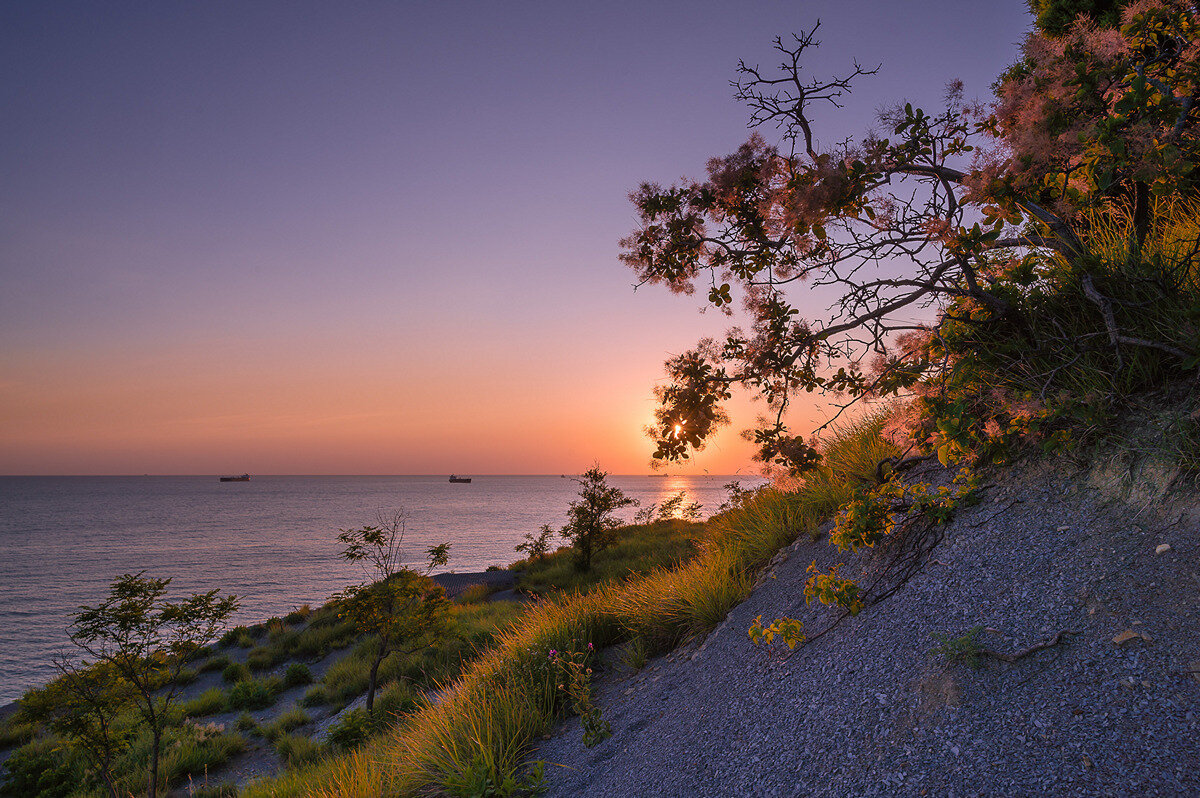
(1162, 548)
(1125, 637)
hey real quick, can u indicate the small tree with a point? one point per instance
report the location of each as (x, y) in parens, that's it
(139, 643)
(670, 507)
(402, 604)
(537, 546)
(591, 521)
(646, 514)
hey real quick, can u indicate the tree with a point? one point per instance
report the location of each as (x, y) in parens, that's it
(400, 605)
(918, 221)
(139, 643)
(590, 518)
(536, 546)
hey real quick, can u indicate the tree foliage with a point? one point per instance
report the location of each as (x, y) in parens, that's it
(137, 643)
(950, 218)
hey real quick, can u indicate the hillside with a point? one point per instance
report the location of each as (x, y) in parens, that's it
(868, 709)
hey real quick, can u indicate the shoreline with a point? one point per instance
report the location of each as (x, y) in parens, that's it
(453, 583)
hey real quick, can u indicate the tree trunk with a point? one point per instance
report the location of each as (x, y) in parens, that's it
(152, 786)
(106, 775)
(371, 680)
(1141, 211)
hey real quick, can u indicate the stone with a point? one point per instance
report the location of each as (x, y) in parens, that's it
(1125, 637)
(1162, 548)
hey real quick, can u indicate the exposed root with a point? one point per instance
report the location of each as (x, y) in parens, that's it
(1025, 652)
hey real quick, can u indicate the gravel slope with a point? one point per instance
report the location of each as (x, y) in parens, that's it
(868, 710)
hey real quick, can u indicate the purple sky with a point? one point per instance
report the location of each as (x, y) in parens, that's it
(379, 237)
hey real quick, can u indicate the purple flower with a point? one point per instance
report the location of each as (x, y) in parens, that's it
(589, 646)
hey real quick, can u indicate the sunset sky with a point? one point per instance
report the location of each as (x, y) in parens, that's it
(381, 237)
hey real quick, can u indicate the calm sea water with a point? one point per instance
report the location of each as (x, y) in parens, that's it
(270, 540)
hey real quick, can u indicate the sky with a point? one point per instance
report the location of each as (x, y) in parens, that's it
(381, 238)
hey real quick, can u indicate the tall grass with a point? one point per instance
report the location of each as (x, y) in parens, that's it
(490, 716)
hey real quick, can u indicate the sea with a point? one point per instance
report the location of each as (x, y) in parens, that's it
(271, 541)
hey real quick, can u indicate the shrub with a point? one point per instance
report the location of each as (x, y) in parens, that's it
(276, 629)
(250, 694)
(209, 702)
(260, 659)
(964, 649)
(351, 729)
(537, 546)
(246, 723)
(40, 770)
(235, 672)
(238, 637)
(297, 674)
(298, 615)
(15, 731)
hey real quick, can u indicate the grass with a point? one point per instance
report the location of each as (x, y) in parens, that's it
(235, 672)
(491, 714)
(475, 594)
(210, 702)
(15, 730)
(287, 722)
(637, 550)
(194, 757)
(237, 637)
(296, 750)
(217, 663)
(316, 695)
